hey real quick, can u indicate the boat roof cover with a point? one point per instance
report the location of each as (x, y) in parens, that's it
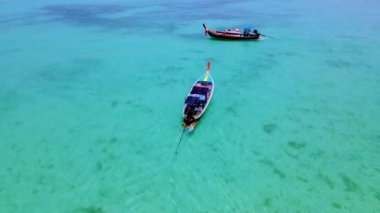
(199, 90)
(233, 31)
(193, 100)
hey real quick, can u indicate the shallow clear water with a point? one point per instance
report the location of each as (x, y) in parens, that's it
(91, 96)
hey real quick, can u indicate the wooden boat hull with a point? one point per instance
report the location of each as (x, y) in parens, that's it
(231, 36)
(204, 86)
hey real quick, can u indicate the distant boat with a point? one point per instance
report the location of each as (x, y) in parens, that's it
(232, 34)
(198, 100)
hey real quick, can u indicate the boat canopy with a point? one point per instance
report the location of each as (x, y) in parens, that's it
(194, 99)
(199, 90)
(233, 31)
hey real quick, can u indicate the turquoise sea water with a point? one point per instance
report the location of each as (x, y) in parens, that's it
(91, 96)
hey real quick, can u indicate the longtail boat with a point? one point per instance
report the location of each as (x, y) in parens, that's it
(232, 34)
(198, 100)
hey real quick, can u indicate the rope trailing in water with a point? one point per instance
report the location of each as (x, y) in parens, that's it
(179, 142)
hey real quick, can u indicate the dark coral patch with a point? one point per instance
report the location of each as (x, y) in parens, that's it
(338, 63)
(90, 15)
(91, 209)
(269, 128)
(231, 110)
(317, 154)
(327, 180)
(279, 173)
(266, 162)
(350, 185)
(99, 166)
(377, 195)
(336, 205)
(114, 103)
(113, 140)
(268, 202)
(296, 145)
